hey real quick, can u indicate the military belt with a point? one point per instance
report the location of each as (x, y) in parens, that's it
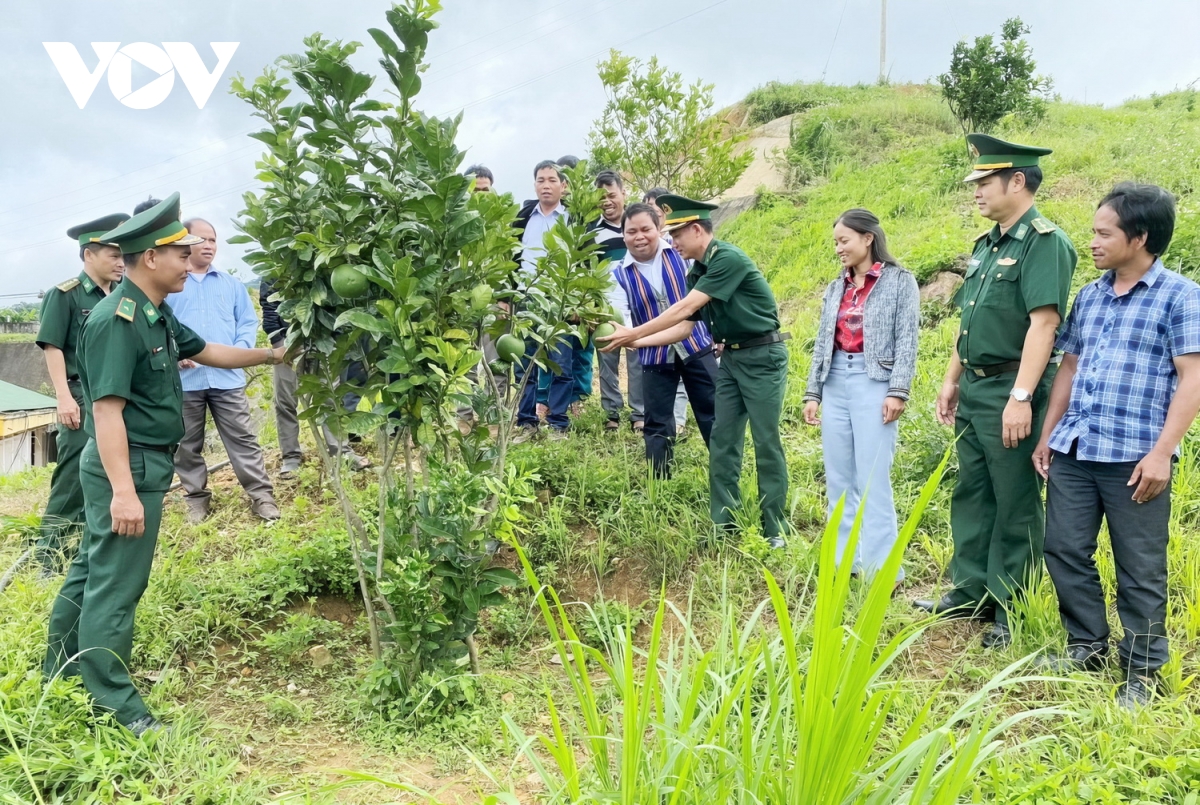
(994, 369)
(760, 341)
(157, 448)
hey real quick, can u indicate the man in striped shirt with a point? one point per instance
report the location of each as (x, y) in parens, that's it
(218, 307)
(650, 278)
(610, 235)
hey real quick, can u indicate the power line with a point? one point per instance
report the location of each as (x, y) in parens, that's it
(58, 196)
(70, 212)
(832, 44)
(589, 12)
(246, 186)
(492, 33)
(240, 188)
(588, 57)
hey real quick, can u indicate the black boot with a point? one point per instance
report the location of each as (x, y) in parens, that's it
(948, 607)
(1078, 657)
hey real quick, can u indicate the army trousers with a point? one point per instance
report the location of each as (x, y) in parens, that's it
(750, 388)
(63, 517)
(997, 519)
(91, 624)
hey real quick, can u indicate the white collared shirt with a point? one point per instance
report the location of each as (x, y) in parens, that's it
(533, 238)
(652, 272)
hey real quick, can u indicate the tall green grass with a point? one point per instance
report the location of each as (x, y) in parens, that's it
(796, 711)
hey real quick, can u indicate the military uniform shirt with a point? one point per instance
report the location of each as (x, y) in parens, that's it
(65, 307)
(131, 350)
(742, 305)
(1009, 275)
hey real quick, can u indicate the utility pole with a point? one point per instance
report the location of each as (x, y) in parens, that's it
(882, 41)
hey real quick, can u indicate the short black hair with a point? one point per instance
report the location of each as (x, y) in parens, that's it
(653, 193)
(131, 259)
(481, 172)
(1143, 209)
(95, 247)
(641, 208)
(609, 179)
(147, 204)
(549, 163)
(568, 161)
(1033, 177)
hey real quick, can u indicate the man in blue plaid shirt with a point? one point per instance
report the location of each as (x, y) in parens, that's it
(1127, 391)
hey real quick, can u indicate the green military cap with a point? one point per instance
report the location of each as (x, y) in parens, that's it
(157, 226)
(679, 211)
(92, 230)
(991, 154)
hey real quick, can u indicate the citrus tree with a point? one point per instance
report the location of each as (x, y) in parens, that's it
(657, 131)
(381, 257)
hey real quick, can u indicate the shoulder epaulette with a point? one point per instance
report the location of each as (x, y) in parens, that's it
(1043, 226)
(981, 235)
(126, 308)
(67, 285)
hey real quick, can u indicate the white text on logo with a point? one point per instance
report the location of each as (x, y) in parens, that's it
(172, 57)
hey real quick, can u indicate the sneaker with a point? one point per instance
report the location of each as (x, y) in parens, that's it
(524, 434)
(1085, 657)
(557, 435)
(1136, 692)
(289, 469)
(612, 424)
(638, 425)
(147, 724)
(197, 511)
(266, 510)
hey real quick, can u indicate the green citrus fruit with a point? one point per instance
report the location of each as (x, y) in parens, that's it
(349, 283)
(510, 348)
(603, 331)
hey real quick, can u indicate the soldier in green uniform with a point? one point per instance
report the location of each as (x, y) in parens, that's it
(997, 385)
(130, 349)
(64, 309)
(729, 293)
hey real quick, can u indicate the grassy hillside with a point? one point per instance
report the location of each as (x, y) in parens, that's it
(234, 606)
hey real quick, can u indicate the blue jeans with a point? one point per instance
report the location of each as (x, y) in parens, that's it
(562, 386)
(858, 451)
(581, 373)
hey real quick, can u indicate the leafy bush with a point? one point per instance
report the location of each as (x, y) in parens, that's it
(658, 132)
(989, 80)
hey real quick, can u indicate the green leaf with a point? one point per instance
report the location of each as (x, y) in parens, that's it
(385, 42)
(362, 320)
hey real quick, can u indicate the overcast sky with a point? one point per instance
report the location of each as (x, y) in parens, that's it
(524, 72)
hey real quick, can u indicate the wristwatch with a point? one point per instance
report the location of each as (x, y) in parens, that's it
(1020, 395)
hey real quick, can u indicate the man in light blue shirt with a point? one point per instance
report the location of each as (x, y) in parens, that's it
(218, 307)
(534, 220)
